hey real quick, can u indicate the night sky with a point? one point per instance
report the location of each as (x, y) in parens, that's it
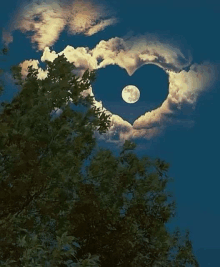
(169, 50)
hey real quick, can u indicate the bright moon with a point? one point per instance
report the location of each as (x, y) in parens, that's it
(130, 94)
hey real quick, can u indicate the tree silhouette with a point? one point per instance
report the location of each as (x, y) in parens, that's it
(53, 214)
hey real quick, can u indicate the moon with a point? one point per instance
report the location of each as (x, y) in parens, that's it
(130, 94)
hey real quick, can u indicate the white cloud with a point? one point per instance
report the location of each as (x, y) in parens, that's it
(87, 18)
(186, 86)
(24, 69)
(130, 54)
(48, 18)
(101, 26)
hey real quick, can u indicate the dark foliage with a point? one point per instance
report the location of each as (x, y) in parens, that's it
(51, 214)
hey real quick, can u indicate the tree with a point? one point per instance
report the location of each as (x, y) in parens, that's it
(36, 149)
(51, 214)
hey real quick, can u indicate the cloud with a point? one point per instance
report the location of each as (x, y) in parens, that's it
(101, 26)
(24, 69)
(132, 53)
(87, 18)
(47, 19)
(186, 86)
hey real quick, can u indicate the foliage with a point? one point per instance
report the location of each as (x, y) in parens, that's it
(51, 214)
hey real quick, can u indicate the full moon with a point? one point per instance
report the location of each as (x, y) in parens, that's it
(130, 94)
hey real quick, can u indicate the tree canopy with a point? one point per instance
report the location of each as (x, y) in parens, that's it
(53, 214)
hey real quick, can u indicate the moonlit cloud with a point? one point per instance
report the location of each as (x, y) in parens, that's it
(184, 86)
(24, 69)
(47, 20)
(186, 80)
(84, 17)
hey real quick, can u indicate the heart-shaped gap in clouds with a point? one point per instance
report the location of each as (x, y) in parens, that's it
(151, 80)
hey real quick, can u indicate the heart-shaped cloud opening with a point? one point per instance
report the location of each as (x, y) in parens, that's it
(184, 86)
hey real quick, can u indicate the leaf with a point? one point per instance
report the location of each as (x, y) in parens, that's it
(22, 242)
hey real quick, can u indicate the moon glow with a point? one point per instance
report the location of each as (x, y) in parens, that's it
(130, 94)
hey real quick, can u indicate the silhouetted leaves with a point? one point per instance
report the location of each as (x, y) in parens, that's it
(51, 213)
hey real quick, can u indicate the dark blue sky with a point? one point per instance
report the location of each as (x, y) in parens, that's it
(193, 150)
